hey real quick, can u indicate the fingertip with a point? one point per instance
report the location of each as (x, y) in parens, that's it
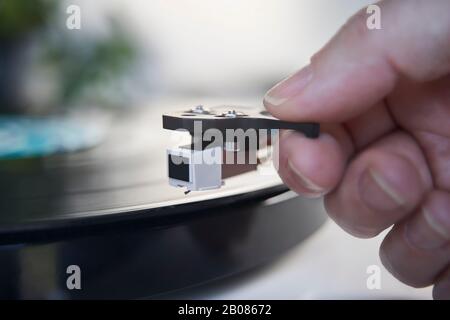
(287, 89)
(311, 166)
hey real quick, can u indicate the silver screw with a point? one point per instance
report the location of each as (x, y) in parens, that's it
(230, 114)
(199, 109)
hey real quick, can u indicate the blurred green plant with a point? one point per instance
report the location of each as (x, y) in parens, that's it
(90, 62)
(19, 17)
(80, 63)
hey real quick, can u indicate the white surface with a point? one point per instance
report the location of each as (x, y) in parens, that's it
(329, 265)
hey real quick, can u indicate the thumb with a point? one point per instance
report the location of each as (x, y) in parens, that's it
(359, 66)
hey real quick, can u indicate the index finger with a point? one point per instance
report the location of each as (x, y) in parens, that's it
(359, 67)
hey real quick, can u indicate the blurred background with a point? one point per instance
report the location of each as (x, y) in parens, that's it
(128, 52)
(143, 54)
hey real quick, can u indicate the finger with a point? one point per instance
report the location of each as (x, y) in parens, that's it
(370, 126)
(380, 187)
(359, 67)
(441, 290)
(425, 110)
(308, 172)
(302, 164)
(418, 250)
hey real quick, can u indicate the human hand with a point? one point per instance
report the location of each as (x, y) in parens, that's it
(383, 158)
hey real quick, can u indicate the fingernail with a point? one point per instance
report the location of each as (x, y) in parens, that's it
(289, 87)
(314, 190)
(426, 231)
(379, 193)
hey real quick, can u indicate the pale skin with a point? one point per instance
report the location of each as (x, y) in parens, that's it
(383, 157)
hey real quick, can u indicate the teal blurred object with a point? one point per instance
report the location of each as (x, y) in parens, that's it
(27, 137)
